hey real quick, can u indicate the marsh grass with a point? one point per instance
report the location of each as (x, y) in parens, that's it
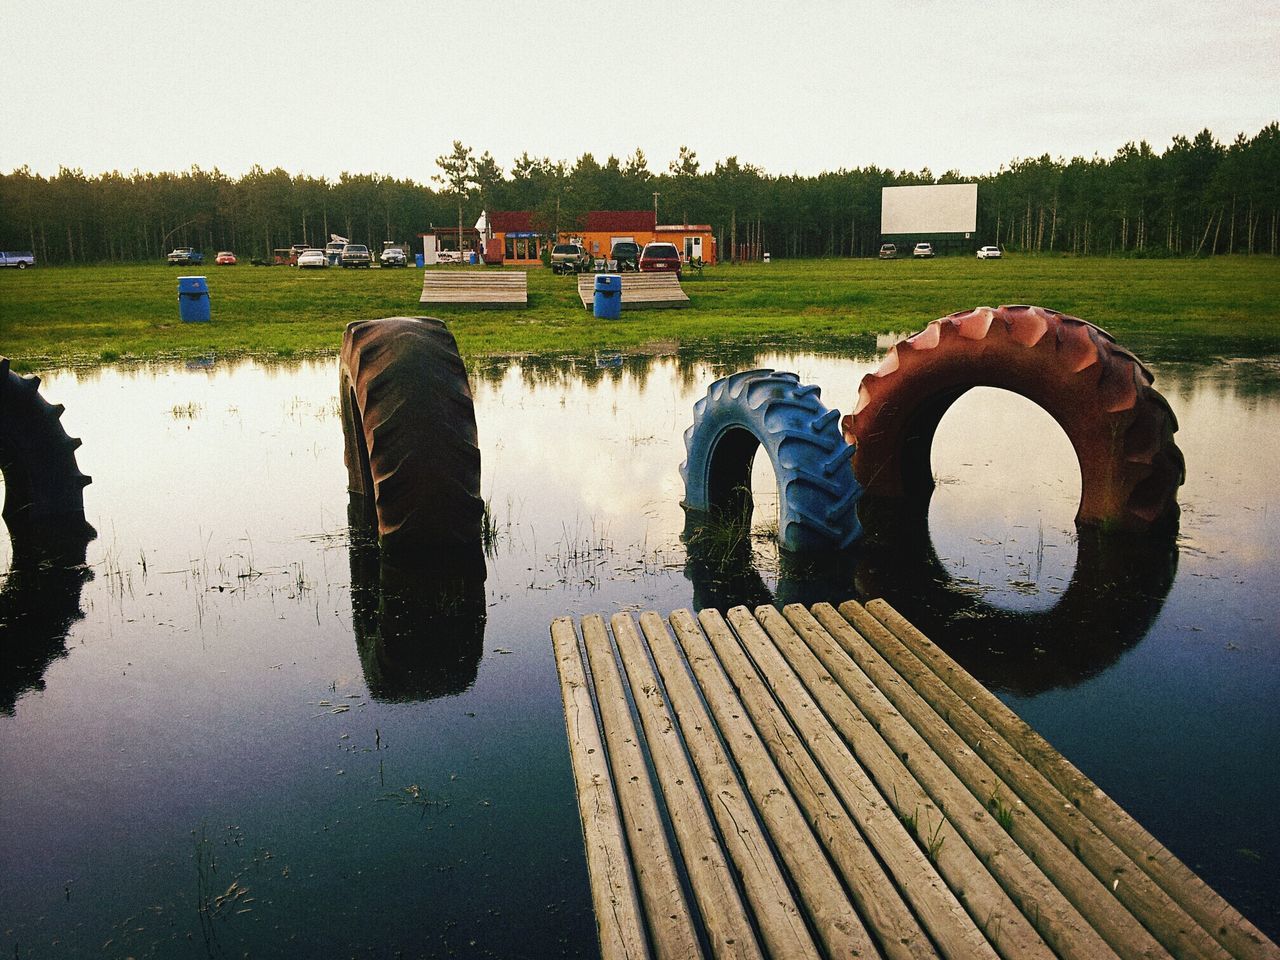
(103, 314)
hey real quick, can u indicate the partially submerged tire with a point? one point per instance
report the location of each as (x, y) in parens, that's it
(411, 446)
(43, 486)
(1101, 395)
(817, 491)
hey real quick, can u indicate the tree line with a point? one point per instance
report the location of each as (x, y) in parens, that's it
(1198, 197)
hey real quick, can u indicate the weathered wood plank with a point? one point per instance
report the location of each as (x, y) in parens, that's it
(902, 763)
(793, 777)
(1085, 892)
(650, 290)
(833, 916)
(936, 907)
(1123, 880)
(613, 890)
(1221, 920)
(781, 922)
(476, 288)
(654, 867)
(724, 915)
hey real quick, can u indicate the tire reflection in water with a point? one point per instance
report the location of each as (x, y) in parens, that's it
(1116, 592)
(419, 630)
(722, 567)
(39, 604)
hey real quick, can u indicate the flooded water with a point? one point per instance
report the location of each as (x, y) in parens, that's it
(215, 738)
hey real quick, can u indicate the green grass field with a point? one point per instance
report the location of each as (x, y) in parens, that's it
(74, 315)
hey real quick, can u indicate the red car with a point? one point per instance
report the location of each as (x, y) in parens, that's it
(225, 258)
(659, 257)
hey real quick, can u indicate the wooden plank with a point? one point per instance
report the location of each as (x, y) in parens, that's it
(936, 907)
(1122, 879)
(1085, 892)
(724, 915)
(475, 288)
(654, 866)
(833, 916)
(889, 747)
(1222, 921)
(613, 890)
(648, 290)
(780, 920)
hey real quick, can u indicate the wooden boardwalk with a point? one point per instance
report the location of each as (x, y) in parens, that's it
(475, 288)
(649, 291)
(830, 783)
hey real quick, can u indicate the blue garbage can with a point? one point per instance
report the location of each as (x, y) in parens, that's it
(417, 259)
(608, 299)
(193, 299)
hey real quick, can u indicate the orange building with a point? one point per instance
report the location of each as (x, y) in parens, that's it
(514, 234)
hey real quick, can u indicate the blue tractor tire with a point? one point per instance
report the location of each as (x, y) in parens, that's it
(817, 491)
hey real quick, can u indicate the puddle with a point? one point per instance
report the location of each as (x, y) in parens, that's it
(226, 728)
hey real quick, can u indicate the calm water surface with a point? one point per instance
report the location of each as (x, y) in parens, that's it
(209, 746)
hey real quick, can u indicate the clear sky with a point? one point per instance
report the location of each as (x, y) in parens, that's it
(382, 86)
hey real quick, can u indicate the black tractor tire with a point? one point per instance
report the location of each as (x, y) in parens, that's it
(412, 452)
(1120, 427)
(817, 491)
(43, 486)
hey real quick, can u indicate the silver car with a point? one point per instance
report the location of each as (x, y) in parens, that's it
(313, 258)
(988, 253)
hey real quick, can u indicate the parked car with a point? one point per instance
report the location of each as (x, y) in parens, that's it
(333, 250)
(988, 253)
(888, 251)
(185, 256)
(312, 258)
(225, 258)
(923, 250)
(627, 254)
(660, 257)
(18, 259)
(355, 255)
(393, 257)
(569, 258)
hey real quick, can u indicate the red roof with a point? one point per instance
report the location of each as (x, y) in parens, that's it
(511, 221)
(619, 221)
(596, 221)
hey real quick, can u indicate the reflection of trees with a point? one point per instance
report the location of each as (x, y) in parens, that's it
(1116, 593)
(721, 566)
(39, 603)
(419, 630)
(691, 361)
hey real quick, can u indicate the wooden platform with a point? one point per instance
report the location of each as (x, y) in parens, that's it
(649, 291)
(476, 288)
(830, 783)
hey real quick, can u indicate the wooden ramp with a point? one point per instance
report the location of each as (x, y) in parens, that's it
(648, 291)
(836, 786)
(476, 288)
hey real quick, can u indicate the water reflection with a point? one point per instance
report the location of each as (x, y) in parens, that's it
(39, 603)
(691, 362)
(1115, 594)
(725, 561)
(419, 631)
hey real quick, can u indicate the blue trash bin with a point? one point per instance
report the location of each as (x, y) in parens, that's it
(193, 299)
(608, 300)
(417, 259)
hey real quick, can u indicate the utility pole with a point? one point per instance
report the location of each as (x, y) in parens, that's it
(655, 207)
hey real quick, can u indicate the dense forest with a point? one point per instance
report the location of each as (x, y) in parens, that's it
(1198, 197)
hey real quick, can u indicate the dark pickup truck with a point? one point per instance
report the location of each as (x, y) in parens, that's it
(185, 256)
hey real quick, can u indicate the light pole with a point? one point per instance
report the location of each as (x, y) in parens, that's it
(655, 207)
